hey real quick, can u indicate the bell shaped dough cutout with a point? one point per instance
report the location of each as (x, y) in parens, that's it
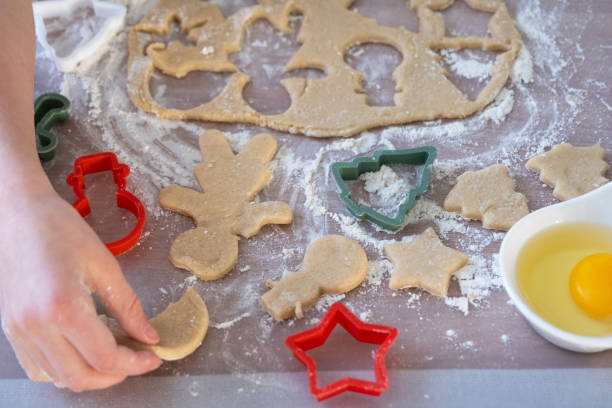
(224, 210)
(572, 171)
(332, 264)
(181, 328)
(488, 195)
(334, 105)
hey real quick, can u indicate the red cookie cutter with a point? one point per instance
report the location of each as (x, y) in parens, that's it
(97, 163)
(300, 343)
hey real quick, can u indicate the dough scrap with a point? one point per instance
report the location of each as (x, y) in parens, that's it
(488, 195)
(332, 264)
(424, 262)
(181, 328)
(331, 106)
(224, 210)
(571, 171)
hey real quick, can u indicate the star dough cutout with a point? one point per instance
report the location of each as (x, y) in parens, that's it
(570, 170)
(488, 195)
(424, 262)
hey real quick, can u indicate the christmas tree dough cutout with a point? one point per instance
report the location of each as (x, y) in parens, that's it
(570, 170)
(488, 195)
(332, 265)
(224, 210)
(181, 328)
(424, 262)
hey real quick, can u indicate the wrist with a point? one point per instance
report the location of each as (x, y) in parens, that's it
(23, 177)
(23, 184)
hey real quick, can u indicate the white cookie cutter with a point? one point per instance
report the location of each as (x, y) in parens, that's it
(113, 15)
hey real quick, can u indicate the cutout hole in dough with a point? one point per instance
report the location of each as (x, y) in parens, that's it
(106, 219)
(377, 62)
(229, 7)
(264, 54)
(390, 13)
(341, 353)
(195, 89)
(468, 69)
(457, 14)
(175, 34)
(387, 189)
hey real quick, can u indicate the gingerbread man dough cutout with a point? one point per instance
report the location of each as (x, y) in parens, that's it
(332, 264)
(570, 170)
(331, 106)
(224, 210)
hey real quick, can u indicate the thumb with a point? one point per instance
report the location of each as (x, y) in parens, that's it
(121, 302)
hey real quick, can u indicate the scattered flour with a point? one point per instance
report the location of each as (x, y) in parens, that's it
(326, 301)
(169, 150)
(288, 253)
(365, 316)
(467, 345)
(500, 108)
(385, 183)
(208, 50)
(377, 271)
(230, 323)
(413, 298)
(522, 71)
(467, 67)
(460, 303)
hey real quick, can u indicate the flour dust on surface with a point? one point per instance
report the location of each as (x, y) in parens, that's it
(544, 103)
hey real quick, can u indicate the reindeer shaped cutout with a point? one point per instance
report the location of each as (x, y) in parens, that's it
(224, 210)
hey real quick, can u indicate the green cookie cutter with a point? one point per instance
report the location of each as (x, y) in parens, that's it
(348, 171)
(49, 109)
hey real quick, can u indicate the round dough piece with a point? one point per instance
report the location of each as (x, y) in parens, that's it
(181, 328)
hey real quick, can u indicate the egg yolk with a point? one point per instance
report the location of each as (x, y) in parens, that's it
(590, 284)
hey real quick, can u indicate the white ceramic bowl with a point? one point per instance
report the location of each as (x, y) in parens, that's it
(593, 207)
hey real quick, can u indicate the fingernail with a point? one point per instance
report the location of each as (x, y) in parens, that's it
(155, 363)
(151, 334)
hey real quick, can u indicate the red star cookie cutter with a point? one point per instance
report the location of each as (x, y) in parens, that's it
(98, 163)
(300, 343)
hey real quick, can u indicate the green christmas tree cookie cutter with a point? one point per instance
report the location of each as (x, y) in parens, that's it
(49, 109)
(348, 171)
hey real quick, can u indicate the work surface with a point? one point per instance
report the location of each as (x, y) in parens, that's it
(475, 349)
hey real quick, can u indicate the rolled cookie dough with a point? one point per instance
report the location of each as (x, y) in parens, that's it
(331, 106)
(333, 264)
(181, 328)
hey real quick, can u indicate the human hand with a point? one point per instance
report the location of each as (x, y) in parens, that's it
(51, 263)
